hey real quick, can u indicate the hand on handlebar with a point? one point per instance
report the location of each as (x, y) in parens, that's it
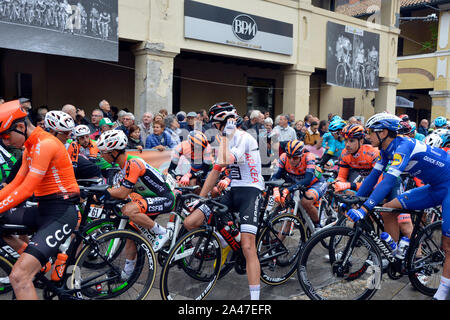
(184, 181)
(341, 186)
(223, 184)
(285, 194)
(276, 195)
(355, 215)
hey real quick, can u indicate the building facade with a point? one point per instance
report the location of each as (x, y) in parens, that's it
(187, 55)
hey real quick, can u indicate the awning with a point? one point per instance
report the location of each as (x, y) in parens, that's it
(403, 102)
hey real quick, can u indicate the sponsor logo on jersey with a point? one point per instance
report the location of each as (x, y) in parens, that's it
(397, 159)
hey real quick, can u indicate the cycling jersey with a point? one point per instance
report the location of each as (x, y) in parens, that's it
(91, 152)
(361, 162)
(148, 182)
(246, 169)
(335, 146)
(431, 165)
(46, 171)
(202, 161)
(7, 162)
(419, 136)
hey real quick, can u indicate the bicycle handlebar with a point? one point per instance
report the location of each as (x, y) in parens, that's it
(222, 208)
(350, 199)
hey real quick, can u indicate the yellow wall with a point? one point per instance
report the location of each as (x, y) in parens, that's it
(416, 73)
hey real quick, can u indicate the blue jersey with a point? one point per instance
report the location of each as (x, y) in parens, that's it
(429, 164)
(335, 147)
(419, 136)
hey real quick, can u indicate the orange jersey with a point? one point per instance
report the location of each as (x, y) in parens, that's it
(46, 171)
(74, 150)
(308, 161)
(91, 151)
(363, 160)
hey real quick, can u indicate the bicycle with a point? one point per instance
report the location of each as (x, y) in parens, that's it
(194, 264)
(353, 263)
(77, 281)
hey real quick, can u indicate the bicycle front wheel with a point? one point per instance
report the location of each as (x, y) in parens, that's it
(278, 248)
(350, 269)
(192, 267)
(426, 258)
(110, 280)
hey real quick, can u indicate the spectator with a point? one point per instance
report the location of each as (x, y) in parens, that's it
(312, 135)
(77, 115)
(190, 121)
(323, 127)
(39, 121)
(128, 121)
(268, 124)
(134, 138)
(246, 117)
(173, 128)
(352, 120)
(164, 113)
(94, 126)
(114, 112)
(423, 127)
(307, 120)
(181, 117)
(41, 111)
(283, 132)
(2, 100)
(105, 108)
(105, 125)
(120, 116)
(300, 130)
(291, 120)
(159, 117)
(266, 114)
(159, 139)
(26, 104)
(330, 116)
(146, 125)
(254, 122)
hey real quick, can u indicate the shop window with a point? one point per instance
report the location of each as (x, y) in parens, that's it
(261, 95)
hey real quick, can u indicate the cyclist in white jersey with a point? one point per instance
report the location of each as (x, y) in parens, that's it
(238, 151)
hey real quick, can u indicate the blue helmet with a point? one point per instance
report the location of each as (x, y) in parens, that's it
(382, 121)
(440, 122)
(337, 125)
(445, 139)
(335, 118)
(413, 126)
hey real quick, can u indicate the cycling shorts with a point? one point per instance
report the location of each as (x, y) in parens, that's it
(427, 197)
(245, 201)
(53, 221)
(152, 206)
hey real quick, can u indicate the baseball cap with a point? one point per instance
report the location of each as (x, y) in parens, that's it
(105, 121)
(192, 114)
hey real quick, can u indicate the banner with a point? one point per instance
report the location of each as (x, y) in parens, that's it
(76, 28)
(352, 57)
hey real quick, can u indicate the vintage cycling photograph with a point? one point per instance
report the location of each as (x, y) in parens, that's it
(352, 57)
(78, 28)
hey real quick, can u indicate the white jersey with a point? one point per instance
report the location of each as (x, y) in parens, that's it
(246, 170)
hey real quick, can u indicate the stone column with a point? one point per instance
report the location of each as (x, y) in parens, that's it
(385, 98)
(153, 77)
(296, 91)
(440, 105)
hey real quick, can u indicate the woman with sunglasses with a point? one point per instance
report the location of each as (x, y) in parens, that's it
(298, 165)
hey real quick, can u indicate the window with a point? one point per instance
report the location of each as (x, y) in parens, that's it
(348, 108)
(261, 95)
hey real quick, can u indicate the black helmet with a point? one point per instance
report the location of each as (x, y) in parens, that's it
(221, 112)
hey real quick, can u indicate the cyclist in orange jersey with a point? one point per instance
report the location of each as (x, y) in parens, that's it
(47, 172)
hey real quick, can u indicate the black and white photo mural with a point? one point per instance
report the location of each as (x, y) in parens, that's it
(76, 28)
(352, 57)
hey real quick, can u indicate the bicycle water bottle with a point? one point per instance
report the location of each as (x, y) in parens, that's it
(402, 247)
(60, 266)
(386, 237)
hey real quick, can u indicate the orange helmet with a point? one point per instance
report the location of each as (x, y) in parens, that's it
(295, 148)
(353, 131)
(198, 138)
(10, 113)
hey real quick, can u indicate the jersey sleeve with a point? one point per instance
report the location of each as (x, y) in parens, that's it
(372, 178)
(74, 151)
(31, 176)
(133, 170)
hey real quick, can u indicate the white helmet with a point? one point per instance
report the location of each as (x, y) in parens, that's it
(59, 121)
(112, 140)
(440, 132)
(434, 140)
(81, 131)
(382, 121)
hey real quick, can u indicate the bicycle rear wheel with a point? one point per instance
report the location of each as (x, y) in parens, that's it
(326, 274)
(278, 247)
(192, 267)
(426, 259)
(107, 280)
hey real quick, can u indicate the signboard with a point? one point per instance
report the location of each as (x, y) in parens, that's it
(352, 57)
(215, 24)
(76, 28)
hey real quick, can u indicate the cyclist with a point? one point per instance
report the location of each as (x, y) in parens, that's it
(298, 165)
(239, 151)
(431, 165)
(88, 148)
(155, 195)
(440, 123)
(47, 172)
(61, 124)
(197, 150)
(356, 161)
(414, 134)
(333, 142)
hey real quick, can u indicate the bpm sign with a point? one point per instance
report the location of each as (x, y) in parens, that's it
(244, 27)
